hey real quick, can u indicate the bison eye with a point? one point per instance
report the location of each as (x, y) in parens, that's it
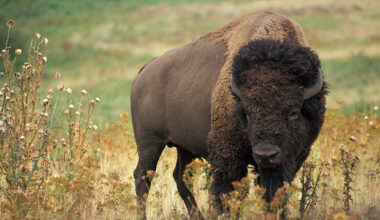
(294, 114)
(243, 117)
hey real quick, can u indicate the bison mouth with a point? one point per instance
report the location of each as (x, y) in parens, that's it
(272, 180)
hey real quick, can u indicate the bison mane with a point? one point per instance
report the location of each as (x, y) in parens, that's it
(291, 58)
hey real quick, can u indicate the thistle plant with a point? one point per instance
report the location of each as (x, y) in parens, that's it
(29, 138)
(309, 186)
(348, 165)
(195, 168)
(283, 200)
(24, 125)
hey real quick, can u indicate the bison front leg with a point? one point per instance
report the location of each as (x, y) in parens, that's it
(224, 174)
(229, 156)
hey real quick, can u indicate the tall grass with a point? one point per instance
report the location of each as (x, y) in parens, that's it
(43, 167)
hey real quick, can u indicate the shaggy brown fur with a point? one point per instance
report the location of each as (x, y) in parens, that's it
(271, 77)
(225, 134)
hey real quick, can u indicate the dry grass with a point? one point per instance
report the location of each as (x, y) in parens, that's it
(358, 134)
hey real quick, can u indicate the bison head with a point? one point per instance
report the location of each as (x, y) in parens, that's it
(280, 102)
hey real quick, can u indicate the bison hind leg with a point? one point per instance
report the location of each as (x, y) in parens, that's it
(149, 152)
(184, 157)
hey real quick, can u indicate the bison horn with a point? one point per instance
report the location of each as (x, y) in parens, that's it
(234, 88)
(314, 89)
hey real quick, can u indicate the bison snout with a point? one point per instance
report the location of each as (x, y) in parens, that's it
(267, 155)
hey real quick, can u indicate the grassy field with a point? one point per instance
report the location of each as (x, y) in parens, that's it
(100, 45)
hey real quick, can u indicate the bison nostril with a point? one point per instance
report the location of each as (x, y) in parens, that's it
(267, 155)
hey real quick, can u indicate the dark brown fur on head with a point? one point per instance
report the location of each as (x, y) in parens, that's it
(271, 77)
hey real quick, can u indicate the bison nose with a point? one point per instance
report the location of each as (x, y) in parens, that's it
(267, 155)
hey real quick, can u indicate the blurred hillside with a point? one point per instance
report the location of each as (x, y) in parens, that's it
(100, 45)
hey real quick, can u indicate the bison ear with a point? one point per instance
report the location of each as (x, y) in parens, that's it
(233, 86)
(314, 89)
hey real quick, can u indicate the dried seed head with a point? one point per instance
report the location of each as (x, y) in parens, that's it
(92, 102)
(45, 102)
(77, 113)
(26, 66)
(22, 137)
(37, 35)
(44, 114)
(84, 92)
(61, 87)
(372, 124)
(18, 51)
(44, 59)
(97, 100)
(375, 108)
(71, 106)
(2, 130)
(11, 23)
(45, 41)
(66, 112)
(353, 138)
(366, 117)
(69, 91)
(1, 74)
(95, 127)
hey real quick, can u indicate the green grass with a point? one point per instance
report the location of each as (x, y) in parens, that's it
(355, 81)
(100, 45)
(354, 71)
(318, 22)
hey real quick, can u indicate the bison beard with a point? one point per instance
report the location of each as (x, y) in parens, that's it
(272, 179)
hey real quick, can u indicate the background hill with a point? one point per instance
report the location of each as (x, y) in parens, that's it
(100, 45)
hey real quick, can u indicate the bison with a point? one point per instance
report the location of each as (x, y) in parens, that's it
(249, 93)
